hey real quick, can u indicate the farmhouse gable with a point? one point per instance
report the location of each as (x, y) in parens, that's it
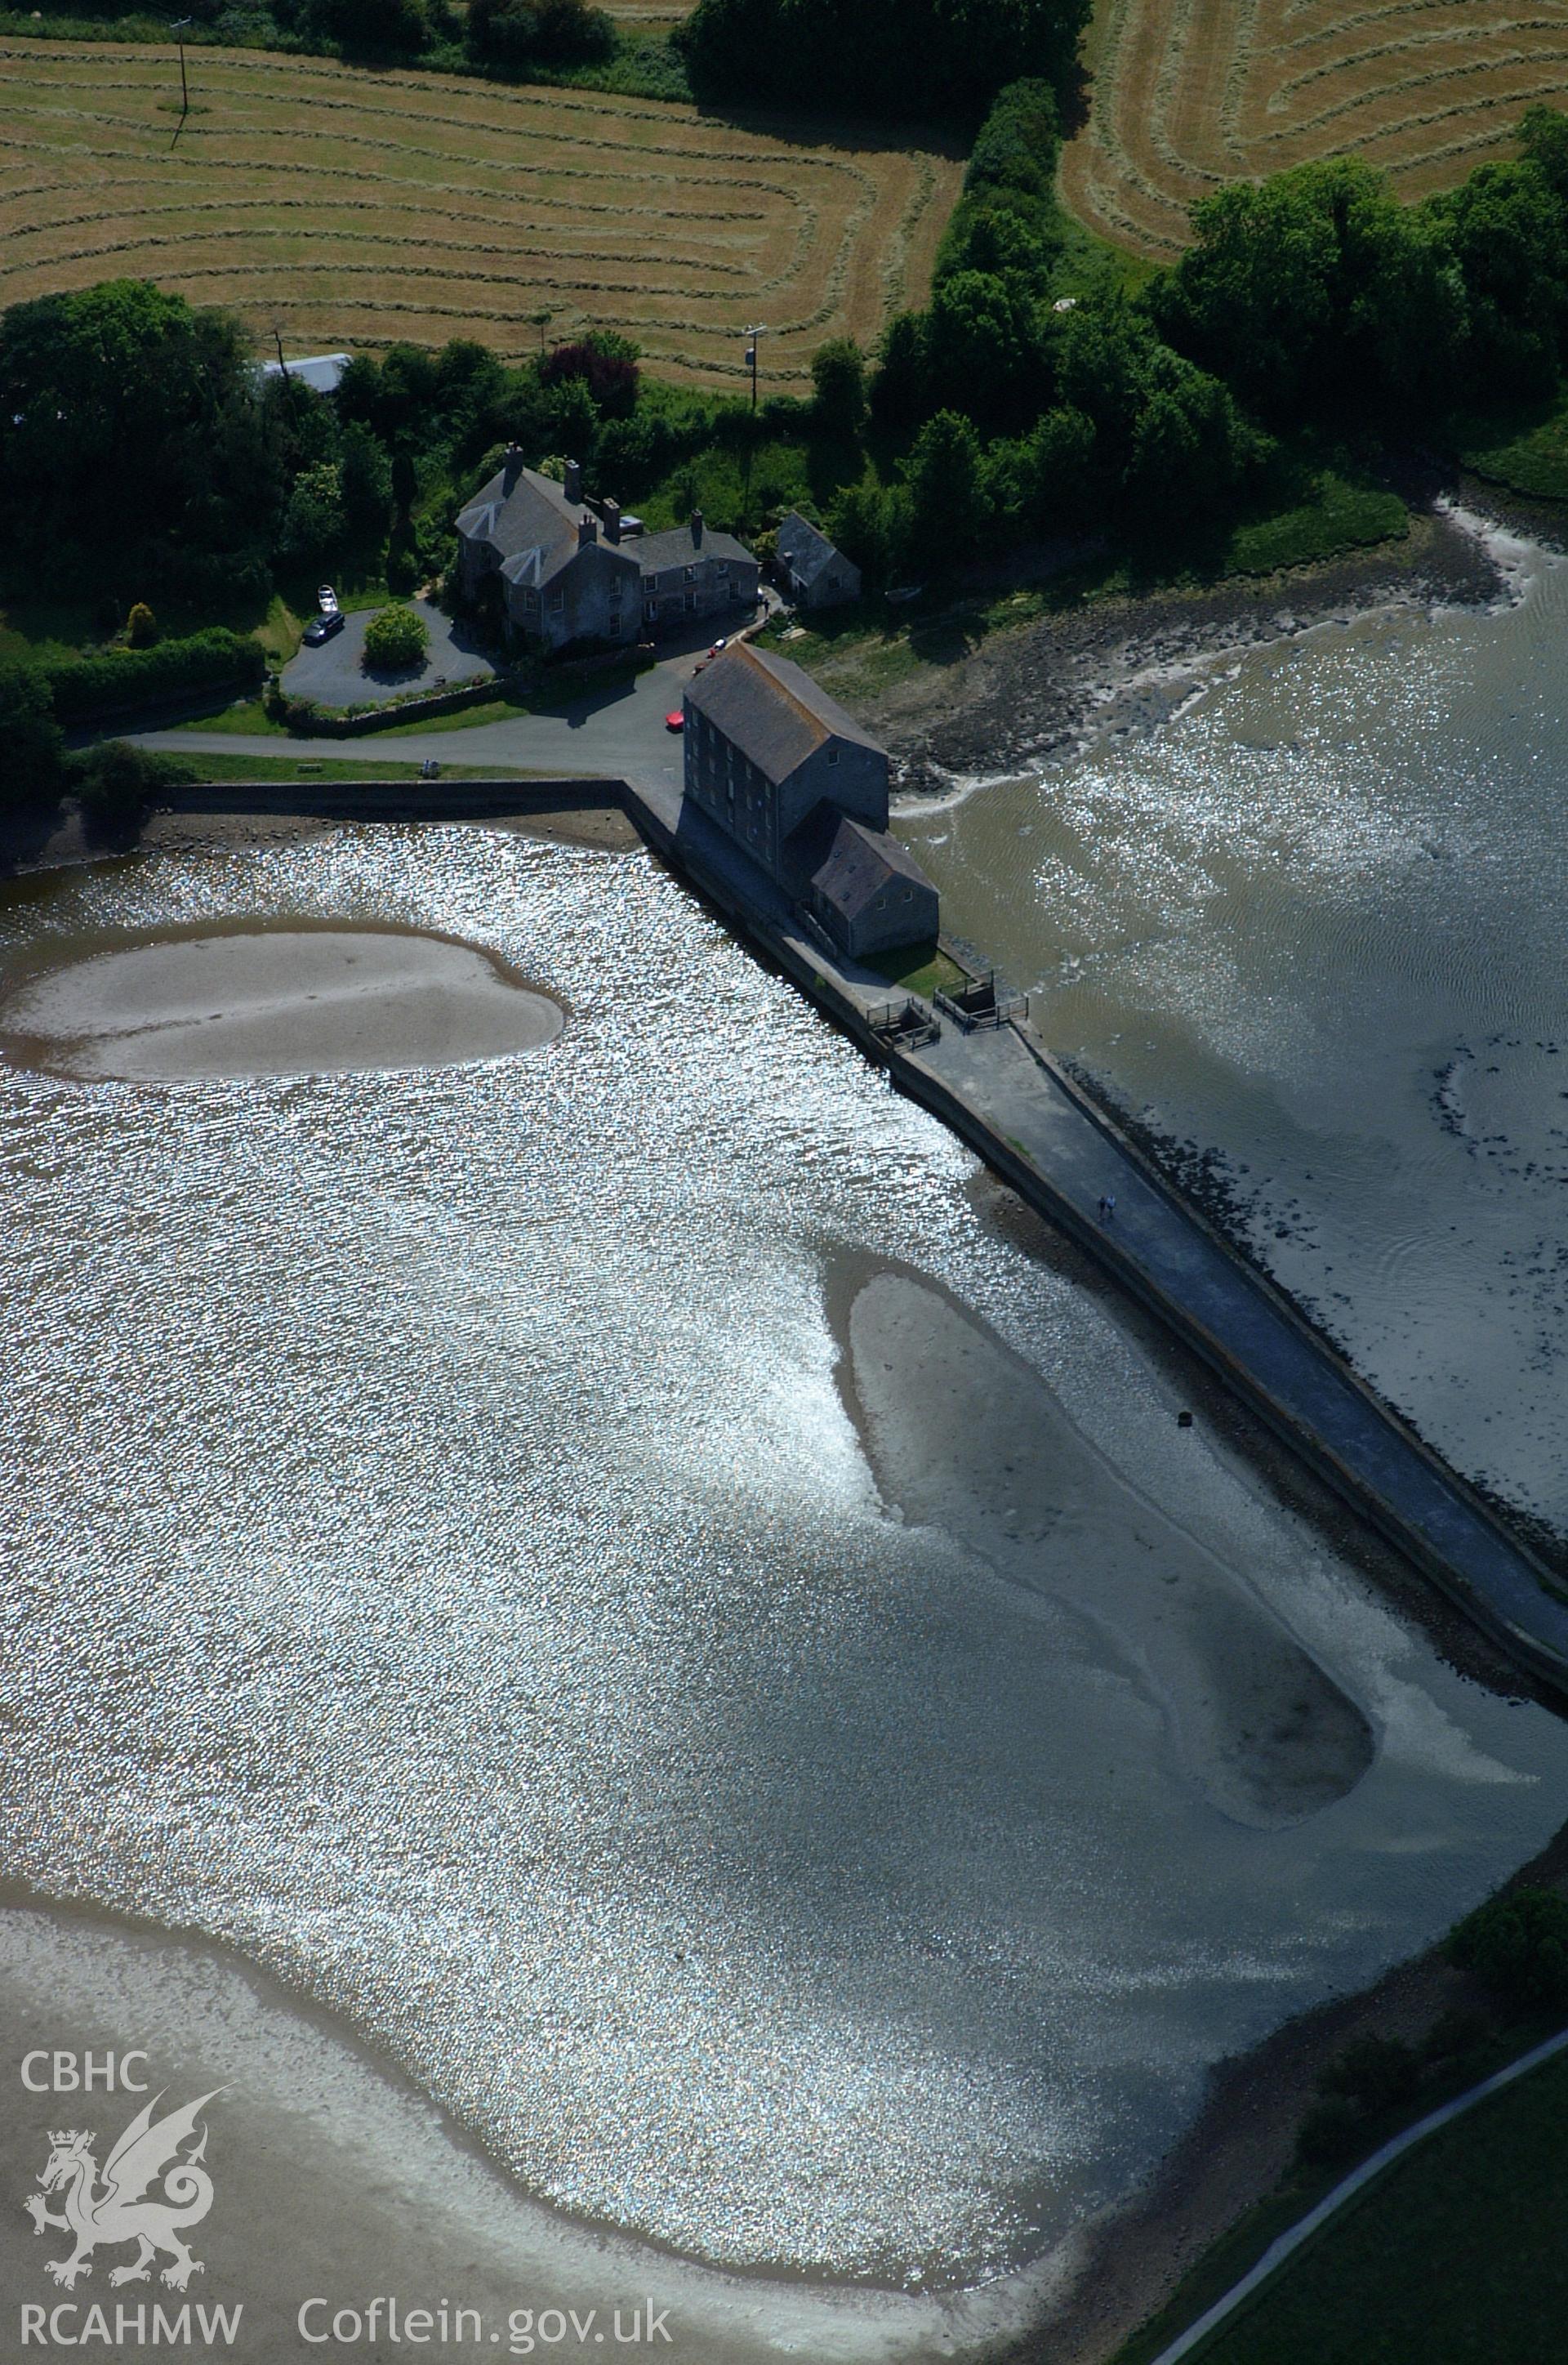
(816, 574)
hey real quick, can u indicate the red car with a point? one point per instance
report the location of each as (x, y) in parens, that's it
(676, 722)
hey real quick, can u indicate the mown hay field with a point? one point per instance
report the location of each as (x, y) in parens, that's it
(647, 15)
(347, 209)
(1189, 94)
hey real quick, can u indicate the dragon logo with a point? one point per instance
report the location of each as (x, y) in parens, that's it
(123, 2207)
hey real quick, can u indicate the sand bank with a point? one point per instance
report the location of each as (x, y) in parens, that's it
(274, 1001)
(964, 1436)
(336, 2181)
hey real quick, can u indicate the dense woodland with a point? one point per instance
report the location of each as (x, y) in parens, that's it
(1315, 324)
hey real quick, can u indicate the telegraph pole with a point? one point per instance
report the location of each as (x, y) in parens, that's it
(752, 336)
(178, 30)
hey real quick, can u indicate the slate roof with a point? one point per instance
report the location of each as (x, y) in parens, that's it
(807, 553)
(848, 864)
(772, 712)
(534, 527)
(656, 552)
(530, 524)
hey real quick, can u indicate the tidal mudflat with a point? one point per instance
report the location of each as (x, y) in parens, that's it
(808, 1774)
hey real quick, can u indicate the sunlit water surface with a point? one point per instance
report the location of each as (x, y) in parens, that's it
(437, 1558)
(1318, 922)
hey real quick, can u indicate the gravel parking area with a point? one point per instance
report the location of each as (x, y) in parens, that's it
(334, 676)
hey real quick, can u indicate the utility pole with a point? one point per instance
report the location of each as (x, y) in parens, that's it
(752, 336)
(540, 321)
(178, 30)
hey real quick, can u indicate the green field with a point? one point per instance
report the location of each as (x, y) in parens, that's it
(1528, 455)
(1457, 2256)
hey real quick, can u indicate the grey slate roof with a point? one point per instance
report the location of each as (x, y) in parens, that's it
(320, 371)
(656, 552)
(530, 521)
(807, 553)
(772, 712)
(849, 864)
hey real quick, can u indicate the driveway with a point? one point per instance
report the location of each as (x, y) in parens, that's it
(332, 675)
(612, 730)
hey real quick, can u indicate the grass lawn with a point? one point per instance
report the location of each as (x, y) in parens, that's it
(245, 719)
(467, 718)
(1456, 2257)
(857, 653)
(1335, 516)
(918, 969)
(1527, 454)
(305, 771)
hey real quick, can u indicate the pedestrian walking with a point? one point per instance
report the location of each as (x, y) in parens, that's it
(1110, 1206)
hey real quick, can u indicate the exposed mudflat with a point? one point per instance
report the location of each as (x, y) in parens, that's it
(964, 1436)
(274, 1002)
(1040, 692)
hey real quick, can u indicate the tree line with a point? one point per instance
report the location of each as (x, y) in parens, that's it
(143, 453)
(1310, 305)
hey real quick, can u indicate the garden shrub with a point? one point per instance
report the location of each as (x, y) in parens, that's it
(395, 639)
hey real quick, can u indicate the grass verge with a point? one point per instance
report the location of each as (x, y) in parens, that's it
(918, 969)
(295, 771)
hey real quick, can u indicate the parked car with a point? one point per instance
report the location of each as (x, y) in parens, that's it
(327, 599)
(321, 628)
(676, 722)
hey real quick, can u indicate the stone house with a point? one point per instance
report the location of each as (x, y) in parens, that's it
(563, 575)
(815, 574)
(801, 789)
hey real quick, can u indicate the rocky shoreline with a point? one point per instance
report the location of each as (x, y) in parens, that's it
(1041, 690)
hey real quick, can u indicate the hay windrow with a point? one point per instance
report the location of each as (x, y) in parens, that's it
(357, 207)
(1191, 92)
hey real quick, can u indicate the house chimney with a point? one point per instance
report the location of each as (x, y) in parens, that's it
(612, 510)
(511, 467)
(574, 484)
(587, 531)
(696, 528)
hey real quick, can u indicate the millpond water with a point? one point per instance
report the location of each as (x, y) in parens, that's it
(609, 1568)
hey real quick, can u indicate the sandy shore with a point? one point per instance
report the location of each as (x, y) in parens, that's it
(274, 1001)
(1242, 2144)
(335, 2180)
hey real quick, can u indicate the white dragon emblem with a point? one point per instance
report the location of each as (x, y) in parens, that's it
(120, 2210)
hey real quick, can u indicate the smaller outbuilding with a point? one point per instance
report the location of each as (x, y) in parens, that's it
(815, 574)
(865, 889)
